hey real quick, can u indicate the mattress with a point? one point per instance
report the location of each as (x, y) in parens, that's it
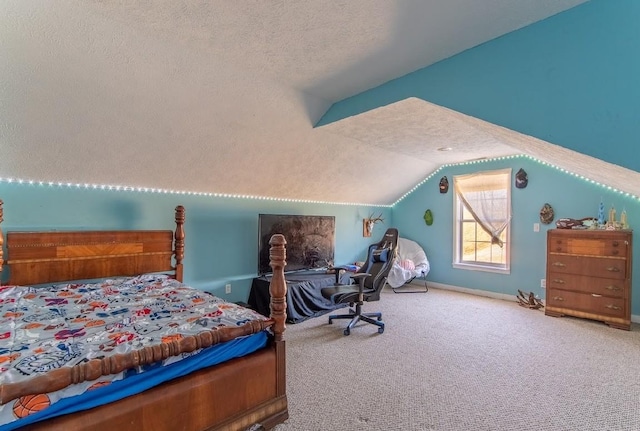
(63, 325)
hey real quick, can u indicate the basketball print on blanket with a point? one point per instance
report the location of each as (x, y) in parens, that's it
(29, 404)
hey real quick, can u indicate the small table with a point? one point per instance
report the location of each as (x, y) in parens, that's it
(304, 299)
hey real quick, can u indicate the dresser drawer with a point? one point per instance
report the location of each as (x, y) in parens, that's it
(613, 245)
(588, 303)
(585, 265)
(613, 287)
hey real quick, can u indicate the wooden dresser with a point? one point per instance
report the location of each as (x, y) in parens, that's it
(589, 275)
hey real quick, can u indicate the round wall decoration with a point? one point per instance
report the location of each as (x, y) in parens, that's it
(428, 217)
(546, 214)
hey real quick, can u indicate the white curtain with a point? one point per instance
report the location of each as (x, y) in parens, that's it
(486, 195)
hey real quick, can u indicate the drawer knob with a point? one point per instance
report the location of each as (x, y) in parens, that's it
(560, 264)
(558, 281)
(558, 298)
(613, 307)
(595, 295)
(616, 243)
(613, 269)
(616, 288)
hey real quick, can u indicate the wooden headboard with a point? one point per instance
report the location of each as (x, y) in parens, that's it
(53, 256)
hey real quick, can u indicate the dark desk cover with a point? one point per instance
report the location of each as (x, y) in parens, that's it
(304, 299)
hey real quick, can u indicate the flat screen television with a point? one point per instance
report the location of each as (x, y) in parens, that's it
(310, 240)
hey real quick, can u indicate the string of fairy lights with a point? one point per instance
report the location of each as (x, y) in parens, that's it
(120, 188)
(525, 156)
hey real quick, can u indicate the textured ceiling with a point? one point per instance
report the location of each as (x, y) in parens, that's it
(221, 96)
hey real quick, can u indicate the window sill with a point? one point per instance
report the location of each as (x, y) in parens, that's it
(483, 268)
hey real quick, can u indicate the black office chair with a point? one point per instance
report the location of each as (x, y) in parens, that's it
(369, 281)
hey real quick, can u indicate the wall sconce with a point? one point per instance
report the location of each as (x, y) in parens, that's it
(368, 224)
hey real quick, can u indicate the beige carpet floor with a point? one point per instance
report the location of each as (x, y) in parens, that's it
(450, 361)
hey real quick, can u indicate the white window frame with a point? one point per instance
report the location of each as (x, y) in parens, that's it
(458, 262)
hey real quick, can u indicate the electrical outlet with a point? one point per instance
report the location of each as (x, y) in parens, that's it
(227, 288)
(536, 227)
(543, 283)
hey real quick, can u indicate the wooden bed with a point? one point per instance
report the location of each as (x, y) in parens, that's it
(254, 385)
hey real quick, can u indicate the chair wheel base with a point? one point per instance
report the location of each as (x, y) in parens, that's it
(354, 317)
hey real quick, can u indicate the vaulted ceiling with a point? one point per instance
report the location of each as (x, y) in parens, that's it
(222, 96)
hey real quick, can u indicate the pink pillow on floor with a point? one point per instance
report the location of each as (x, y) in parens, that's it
(407, 264)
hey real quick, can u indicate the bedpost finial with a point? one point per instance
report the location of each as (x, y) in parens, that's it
(277, 252)
(180, 214)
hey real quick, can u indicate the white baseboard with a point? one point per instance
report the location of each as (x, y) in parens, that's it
(476, 292)
(634, 318)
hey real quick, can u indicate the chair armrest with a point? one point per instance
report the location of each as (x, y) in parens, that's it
(337, 270)
(359, 278)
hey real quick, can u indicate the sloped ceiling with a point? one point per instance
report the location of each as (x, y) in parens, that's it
(222, 96)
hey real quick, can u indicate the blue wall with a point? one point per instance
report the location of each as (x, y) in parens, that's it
(569, 196)
(571, 80)
(221, 244)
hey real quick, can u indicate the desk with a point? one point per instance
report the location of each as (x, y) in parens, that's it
(304, 299)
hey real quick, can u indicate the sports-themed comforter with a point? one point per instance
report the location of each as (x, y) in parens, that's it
(63, 325)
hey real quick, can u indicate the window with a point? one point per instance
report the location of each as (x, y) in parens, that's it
(482, 216)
